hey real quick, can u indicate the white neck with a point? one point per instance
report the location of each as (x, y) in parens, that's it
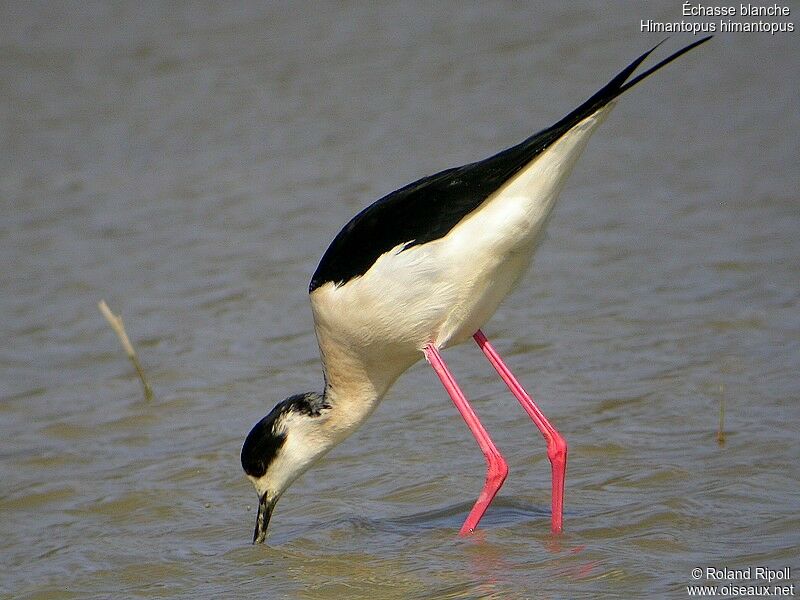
(355, 381)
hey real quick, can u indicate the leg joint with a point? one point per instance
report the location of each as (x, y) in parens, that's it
(497, 472)
(557, 448)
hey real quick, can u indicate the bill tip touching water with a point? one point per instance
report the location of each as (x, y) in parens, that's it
(418, 271)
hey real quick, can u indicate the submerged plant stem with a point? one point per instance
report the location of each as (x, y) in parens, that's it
(118, 326)
(721, 428)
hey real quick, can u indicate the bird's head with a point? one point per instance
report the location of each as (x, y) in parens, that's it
(281, 447)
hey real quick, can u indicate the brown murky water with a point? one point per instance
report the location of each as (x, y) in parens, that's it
(191, 164)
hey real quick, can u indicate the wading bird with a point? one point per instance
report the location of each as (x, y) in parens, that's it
(418, 271)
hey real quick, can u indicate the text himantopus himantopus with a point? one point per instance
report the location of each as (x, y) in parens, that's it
(420, 270)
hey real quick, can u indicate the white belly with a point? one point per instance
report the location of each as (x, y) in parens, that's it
(441, 292)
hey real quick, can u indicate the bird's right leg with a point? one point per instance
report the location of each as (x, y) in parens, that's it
(497, 467)
(556, 444)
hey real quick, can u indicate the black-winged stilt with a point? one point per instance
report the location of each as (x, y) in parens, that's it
(420, 270)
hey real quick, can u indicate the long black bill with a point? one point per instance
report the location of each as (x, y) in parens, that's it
(262, 520)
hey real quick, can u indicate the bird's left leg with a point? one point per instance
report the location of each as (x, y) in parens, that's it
(497, 468)
(556, 444)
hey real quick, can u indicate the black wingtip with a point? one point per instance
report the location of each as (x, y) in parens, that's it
(612, 90)
(664, 62)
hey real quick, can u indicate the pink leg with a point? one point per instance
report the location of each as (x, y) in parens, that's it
(556, 444)
(497, 468)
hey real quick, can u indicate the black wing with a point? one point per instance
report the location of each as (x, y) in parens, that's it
(428, 209)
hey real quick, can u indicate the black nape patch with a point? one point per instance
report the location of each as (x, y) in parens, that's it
(310, 404)
(263, 442)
